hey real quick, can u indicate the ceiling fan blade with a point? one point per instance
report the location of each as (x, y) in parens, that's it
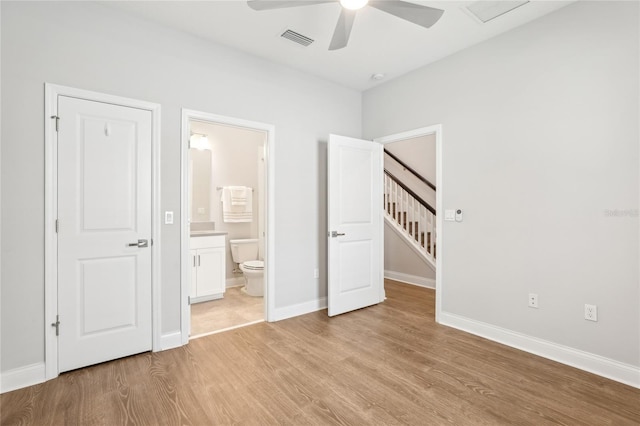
(424, 16)
(343, 29)
(276, 4)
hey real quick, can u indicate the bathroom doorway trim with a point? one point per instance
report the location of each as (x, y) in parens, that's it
(269, 255)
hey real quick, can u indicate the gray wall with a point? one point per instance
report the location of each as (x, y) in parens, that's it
(540, 140)
(418, 153)
(89, 46)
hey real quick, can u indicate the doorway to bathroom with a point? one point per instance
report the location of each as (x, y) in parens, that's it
(225, 223)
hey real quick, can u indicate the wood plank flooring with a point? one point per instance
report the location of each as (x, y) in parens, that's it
(236, 308)
(387, 364)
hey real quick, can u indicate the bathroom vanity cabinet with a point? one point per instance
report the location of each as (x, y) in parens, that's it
(207, 256)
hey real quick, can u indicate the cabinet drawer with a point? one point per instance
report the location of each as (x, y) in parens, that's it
(207, 242)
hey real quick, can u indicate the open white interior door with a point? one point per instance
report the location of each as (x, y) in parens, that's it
(356, 264)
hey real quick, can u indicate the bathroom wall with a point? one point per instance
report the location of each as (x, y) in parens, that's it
(235, 153)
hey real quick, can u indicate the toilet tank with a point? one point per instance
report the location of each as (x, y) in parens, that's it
(243, 250)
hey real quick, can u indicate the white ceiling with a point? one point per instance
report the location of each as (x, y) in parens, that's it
(379, 43)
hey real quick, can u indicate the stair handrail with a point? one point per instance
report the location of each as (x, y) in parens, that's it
(410, 192)
(406, 166)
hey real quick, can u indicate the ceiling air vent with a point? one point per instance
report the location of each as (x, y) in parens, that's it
(485, 11)
(297, 38)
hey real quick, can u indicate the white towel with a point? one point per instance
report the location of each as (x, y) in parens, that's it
(239, 195)
(236, 213)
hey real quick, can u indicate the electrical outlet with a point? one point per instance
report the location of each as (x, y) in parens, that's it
(533, 300)
(316, 273)
(591, 312)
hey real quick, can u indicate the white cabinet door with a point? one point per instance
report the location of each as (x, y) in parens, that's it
(211, 279)
(193, 255)
(208, 268)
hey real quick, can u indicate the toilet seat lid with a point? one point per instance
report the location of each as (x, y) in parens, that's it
(254, 264)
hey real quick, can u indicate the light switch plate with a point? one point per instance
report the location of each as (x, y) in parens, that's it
(450, 215)
(168, 218)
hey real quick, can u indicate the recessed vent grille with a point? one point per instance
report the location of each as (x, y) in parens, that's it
(486, 10)
(297, 38)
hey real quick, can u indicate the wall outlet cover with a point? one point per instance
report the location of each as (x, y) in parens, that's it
(590, 312)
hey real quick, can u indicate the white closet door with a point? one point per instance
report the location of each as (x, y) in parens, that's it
(104, 211)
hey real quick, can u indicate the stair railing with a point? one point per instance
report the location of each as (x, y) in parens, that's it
(411, 215)
(411, 170)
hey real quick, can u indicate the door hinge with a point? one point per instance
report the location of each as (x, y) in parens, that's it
(57, 325)
(57, 121)
(57, 226)
(188, 300)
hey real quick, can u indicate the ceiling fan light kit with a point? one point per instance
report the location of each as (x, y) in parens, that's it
(353, 4)
(424, 16)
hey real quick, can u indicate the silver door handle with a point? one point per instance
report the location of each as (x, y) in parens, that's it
(139, 244)
(335, 234)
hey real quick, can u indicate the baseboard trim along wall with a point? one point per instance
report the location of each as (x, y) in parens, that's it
(596, 364)
(34, 374)
(22, 377)
(410, 279)
(234, 282)
(299, 309)
(171, 340)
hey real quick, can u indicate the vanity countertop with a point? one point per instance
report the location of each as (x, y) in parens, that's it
(207, 233)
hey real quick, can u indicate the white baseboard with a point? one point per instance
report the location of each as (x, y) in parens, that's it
(22, 377)
(234, 282)
(596, 364)
(299, 309)
(410, 279)
(170, 340)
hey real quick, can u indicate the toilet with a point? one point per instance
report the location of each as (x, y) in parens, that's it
(245, 253)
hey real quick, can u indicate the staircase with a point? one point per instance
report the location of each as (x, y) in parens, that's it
(409, 214)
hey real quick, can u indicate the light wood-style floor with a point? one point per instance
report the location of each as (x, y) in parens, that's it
(387, 364)
(236, 308)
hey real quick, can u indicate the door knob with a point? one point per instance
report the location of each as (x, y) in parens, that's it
(335, 234)
(139, 244)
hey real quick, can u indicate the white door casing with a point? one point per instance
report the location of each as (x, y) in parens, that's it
(355, 224)
(104, 210)
(93, 220)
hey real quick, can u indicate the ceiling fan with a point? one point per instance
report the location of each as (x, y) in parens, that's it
(422, 15)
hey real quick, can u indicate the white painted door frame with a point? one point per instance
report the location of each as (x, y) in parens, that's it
(52, 92)
(269, 255)
(426, 131)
